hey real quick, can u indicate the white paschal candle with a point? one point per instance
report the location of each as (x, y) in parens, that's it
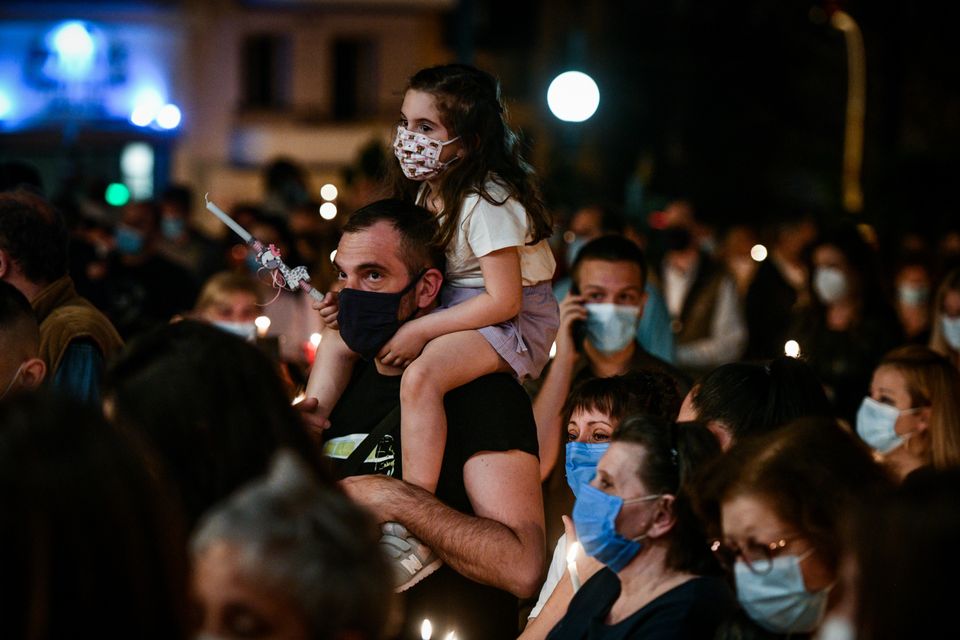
(572, 552)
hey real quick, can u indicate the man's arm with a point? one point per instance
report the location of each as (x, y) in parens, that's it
(502, 545)
(556, 385)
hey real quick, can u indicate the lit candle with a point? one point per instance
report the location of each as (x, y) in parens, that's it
(426, 630)
(310, 347)
(263, 324)
(451, 636)
(572, 551)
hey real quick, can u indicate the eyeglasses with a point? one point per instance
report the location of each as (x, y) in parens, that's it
(758, 556)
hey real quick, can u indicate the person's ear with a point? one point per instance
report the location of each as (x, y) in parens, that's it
(429, 287)
(721, 433)
(663, 517)
(32, 373)
(923, 419)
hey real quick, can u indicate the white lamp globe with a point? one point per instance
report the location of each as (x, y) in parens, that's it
(573, 96)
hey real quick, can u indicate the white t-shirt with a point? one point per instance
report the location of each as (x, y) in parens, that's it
(485, 227)
(558, 566)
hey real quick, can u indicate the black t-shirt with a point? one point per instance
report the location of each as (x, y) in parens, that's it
(492, 413)
(691, 611)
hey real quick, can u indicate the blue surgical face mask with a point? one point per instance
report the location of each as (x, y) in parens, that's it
(951, 331)
(830, 284)
(129, 241)
(611, 327)
(876, 422)
(595, 518)
(172, 228)
(582, 461)
(912, 295)
(573, 248)
(778, 600)
(244, 330)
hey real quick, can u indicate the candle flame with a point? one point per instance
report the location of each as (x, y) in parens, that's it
(426, 630)
(572, 552)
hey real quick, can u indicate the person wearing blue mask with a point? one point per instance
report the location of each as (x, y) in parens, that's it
(911, 418)
(593, 411)
(139, 289)
(596, 339)
(636, 518)
(781, 500)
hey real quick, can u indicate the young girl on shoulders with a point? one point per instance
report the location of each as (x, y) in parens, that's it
(458, 158)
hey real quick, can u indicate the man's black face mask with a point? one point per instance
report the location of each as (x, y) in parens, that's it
(368, 319)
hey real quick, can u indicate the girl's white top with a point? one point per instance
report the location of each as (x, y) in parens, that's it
(485, 227)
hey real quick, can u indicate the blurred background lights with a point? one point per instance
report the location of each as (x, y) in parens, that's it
(6, 105)
(573, 96)
(791, 349)
(758, 252)
(328, 192)
(146, 106)
(328, 211)
(117, 194)
(169, 116)
(75, 49)
(136, 165)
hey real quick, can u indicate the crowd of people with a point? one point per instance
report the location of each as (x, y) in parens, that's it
(493, 424)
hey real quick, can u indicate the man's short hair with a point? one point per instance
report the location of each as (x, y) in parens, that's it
(18, 322)
(417, 228)
(34, 235)
(611, 248)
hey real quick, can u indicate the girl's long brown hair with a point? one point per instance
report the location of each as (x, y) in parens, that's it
(470, 106)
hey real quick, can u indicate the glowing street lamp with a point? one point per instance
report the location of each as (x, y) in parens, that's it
(573, 96)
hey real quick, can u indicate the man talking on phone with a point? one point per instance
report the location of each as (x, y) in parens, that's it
(596, 338)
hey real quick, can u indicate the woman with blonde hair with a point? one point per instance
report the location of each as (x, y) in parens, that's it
(912, 415)
(945, 328)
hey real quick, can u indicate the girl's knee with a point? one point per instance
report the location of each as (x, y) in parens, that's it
(418, 380)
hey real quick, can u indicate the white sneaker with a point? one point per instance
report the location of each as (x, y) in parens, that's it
(411, 559)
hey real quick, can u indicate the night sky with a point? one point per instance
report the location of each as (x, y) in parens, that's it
(741, 105)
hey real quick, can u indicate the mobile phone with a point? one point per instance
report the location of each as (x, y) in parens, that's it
(579, 327)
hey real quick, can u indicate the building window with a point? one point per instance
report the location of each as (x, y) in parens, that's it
(266, 71)
(354, 79)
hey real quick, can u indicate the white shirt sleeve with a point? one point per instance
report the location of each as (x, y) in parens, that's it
(728, 333)
(558, 565)
(490, 227)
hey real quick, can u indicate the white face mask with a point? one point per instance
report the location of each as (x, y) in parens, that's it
(876, 424)
(244, 330)
(611, 327)
(830, 284)
(951, 331)
(419, 155)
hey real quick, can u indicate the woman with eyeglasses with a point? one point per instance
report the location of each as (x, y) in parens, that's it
(636, 518)
(780, 500)
(911, 418)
